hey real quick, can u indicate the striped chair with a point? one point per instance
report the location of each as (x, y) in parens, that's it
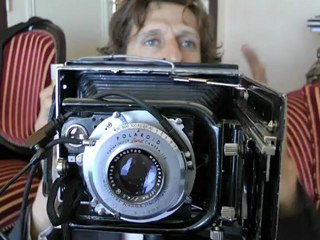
(27, 50)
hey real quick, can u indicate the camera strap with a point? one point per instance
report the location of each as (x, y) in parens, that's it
(71, 196)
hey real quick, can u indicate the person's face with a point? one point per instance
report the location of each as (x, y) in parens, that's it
(168, 33)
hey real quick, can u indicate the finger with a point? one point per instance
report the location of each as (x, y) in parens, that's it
(53, 82)
(257, 68)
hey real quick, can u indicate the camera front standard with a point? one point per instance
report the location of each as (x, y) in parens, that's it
(165, 148)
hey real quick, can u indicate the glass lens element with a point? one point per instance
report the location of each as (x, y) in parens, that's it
(135, 174)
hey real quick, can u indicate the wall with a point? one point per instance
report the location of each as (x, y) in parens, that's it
(277, 31)
(85, 23)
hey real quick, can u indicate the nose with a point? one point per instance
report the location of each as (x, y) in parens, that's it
(172, 52)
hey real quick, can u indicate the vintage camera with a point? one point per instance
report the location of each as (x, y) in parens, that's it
(181, 150)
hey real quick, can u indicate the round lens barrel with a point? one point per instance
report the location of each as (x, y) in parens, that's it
(135, 173)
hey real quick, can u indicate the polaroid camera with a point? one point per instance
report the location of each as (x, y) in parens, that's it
(172, 149)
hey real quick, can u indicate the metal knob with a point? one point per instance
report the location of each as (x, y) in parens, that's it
(228, 213)
(62, 166)
(216, 233)
(231, 149)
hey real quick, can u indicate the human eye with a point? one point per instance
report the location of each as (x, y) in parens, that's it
(189, 44)
(152, 42)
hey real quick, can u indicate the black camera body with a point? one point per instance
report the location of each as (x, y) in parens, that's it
(167, 148)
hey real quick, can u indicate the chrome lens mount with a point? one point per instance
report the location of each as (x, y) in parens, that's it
(135, 171)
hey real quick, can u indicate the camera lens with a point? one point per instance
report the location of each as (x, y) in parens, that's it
(135, 175)
(135, 170)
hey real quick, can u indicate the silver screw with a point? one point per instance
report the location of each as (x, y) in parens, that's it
(187, 154)
(93, 202)
(79, 159)
(178, 121)
(101, 211)
(244, 94)
(116, 115)
(272, 125)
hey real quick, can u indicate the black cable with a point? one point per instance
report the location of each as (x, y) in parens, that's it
(34, 161)
(163, 121)
(66, 233)
(45, 134)
(36, 158)
(72, 193)
(25, 200)
(3, 236)
(61, 141)
(38, 154)
(16, 177)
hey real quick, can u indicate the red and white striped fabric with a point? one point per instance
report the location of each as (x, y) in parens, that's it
(303, 137)
(10, 202)
(26, 71)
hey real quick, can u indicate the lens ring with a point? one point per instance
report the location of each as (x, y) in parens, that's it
(135, 175)
(112, 141)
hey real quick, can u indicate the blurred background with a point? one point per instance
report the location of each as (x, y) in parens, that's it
(277, 30)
